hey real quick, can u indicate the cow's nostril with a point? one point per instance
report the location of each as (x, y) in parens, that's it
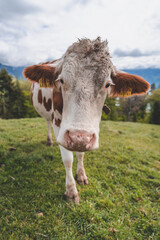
(67, 136)
(79, 140)
(91, 141)
(79, 136)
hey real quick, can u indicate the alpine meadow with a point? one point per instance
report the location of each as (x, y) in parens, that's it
(120, 202)
(80, 120)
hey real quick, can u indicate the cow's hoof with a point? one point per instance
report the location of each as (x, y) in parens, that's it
(49, 143)
(83, 182)
(82, 178)
(72, 196)
(74, 199)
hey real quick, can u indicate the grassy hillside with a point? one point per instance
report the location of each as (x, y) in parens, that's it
(120, 202)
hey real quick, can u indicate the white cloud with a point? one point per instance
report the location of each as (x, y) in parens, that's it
(137, 62)
(34, 31)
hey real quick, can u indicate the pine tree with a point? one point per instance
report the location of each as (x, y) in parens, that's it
(153, 87)
(11, 97)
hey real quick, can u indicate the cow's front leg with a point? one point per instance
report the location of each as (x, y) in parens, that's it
(49, 136)
(81, 175)
(71, 190)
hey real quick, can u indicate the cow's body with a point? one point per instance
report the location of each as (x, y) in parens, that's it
(45, 102)
(70, 96)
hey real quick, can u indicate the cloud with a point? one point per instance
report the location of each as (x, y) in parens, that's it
(16, 9)
(137, 62)
(134, 53)
(35, 31)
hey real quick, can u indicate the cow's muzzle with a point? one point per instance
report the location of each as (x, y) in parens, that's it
(79, 140)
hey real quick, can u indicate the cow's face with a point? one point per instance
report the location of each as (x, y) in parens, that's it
(84, 84)
(85, 75)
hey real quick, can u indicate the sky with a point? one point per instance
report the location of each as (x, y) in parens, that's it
(41, 30)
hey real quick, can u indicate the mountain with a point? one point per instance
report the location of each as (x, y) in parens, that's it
(152, 75)
(15, 71)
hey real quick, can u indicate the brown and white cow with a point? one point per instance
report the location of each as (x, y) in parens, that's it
(70, 93)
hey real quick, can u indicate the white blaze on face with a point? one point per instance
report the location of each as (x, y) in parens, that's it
(85, 72)
(75, 119)
(83, 101)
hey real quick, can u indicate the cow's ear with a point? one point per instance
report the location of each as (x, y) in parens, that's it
(127, 85)
(43, 74)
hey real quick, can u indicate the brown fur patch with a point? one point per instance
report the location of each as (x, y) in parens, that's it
(127, 84)
(53, 61)
(31, 95)
(57, 101)
(44, 72)
(57, 122)
(45, 63)
(31, 92)
(47, 104)
(52, 116)
(48, 62)
(40, 96)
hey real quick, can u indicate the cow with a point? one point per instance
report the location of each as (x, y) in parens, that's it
(70, 93)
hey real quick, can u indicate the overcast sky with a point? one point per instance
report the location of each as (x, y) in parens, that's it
(33, 31)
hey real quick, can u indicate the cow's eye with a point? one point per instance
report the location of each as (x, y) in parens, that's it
(107, 85)
(61, 81)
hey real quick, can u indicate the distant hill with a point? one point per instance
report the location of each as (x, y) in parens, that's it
(152, 75)
(15, 71)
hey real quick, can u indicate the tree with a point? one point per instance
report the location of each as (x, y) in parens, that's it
(6, 90)
(133, 108)
(12, 98)
(31, 112)
(153, 87)
(154, 101)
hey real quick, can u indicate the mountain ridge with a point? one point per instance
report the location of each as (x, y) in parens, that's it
(152, 75)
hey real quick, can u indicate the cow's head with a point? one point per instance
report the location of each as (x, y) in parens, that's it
(85, 75)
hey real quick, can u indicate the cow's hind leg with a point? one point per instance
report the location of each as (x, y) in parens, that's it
(49, 136)
(71, 190)
(81, 175)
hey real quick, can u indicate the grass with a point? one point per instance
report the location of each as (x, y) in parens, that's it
(120, 202)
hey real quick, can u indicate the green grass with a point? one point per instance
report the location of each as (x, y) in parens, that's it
(120, 202)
